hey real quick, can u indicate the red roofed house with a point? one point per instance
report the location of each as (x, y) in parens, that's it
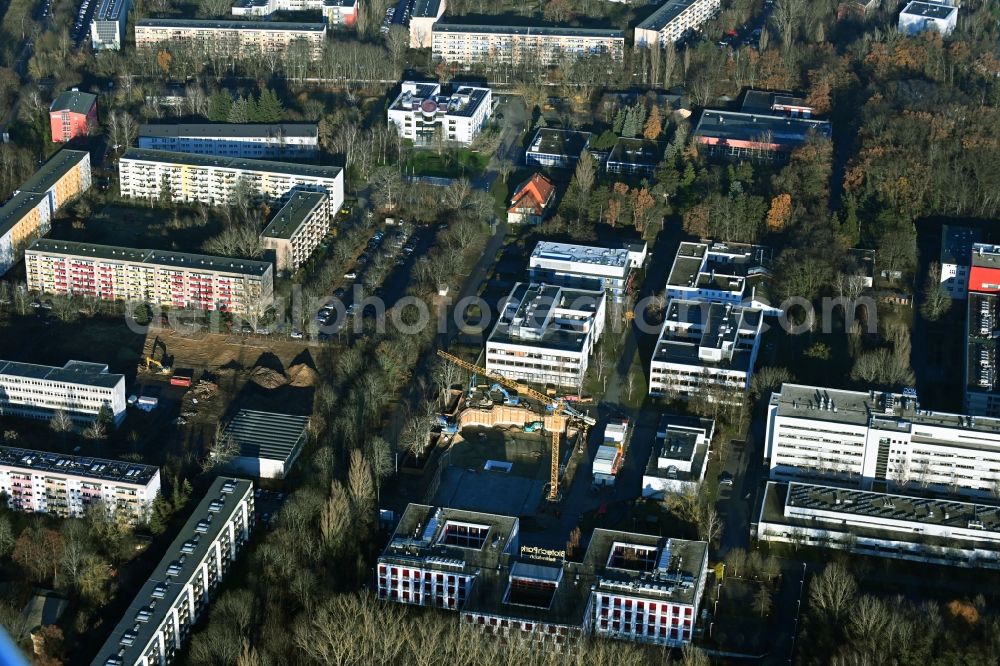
(71, 115)
(530, 201)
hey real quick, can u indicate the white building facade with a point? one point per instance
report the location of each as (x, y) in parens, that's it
(107, 28)
(713, 272)
(674, 18)
(66, 486)
(79, 389)
(420, 113)
(546, 334)
(679, 457)
(921, 15)
(586, 267)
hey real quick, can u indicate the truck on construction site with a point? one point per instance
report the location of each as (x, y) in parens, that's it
(611, 453)
(182, 377)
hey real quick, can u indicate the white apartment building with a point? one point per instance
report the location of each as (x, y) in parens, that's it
(168, 279)
(545, 334)
(253, 140)
(337, 12)
(587, 267)
(545, 46)
(705, 350)
(107, 28)
(732, 273)
(679, 457)
(66, 486)
(79, 389)
(956, 259)
(231, 37)
(159, 620)
(907, 527)
(151, 174)
(674, 18)
(424, 15)
(878, 441)
(421, 113)
(296, 230)
(919, 16)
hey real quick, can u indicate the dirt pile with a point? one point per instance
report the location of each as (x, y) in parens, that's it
(301, 375)
(268, 378)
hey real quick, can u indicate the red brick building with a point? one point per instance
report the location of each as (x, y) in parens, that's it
(71, 115)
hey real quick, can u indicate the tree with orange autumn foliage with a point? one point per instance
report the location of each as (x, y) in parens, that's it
(963, 610)
(163, 61)
(780, 212)
(654, 125)
(697, 220)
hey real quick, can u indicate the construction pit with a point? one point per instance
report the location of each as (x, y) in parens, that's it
(500, 460)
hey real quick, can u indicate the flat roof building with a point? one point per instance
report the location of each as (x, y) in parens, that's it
(734, 273)
(337, 12)
(956, 259)
(171, 279)
(79, 389)
(250, 140)
(234, 37)
(907, 527)
(556, 148)
(634, 157)
(107, 28)
(545, 334)
(705, 351)
(875, 440)
(66, 486)
(152, 174)
(982, 322)
(296, 230)
(542, 45)
(679, 457)
(159, 620)
(268, 442)
(586, 267)
(672, 20)
(23, 219)
(422, 114)
(917, 17)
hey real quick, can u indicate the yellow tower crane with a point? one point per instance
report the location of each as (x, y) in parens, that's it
(561, 415)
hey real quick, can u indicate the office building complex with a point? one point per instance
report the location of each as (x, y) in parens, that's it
(79, 389)
(679, 458)
(908, 527)
(705, 351)
(767, 128)
(634, 157)
(337, 12)
(545, 334)
(297, 229)
(421, 113)
(159, 620)
(268, 443)
(918, 16)
(152, 174)
(231, 37)
(23, 219)
(874, 440)
(170, 279)
(63, 178)
(531, 200)
(541, 45)
(422, 19)
(72, 114)
(729, 273)
(66, 486)
(253, 141)
(628, 586)
(982, 324)
(586, 267)
(672, 20)
(107, 28)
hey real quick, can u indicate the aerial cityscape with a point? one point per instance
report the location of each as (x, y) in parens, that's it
(459, 332)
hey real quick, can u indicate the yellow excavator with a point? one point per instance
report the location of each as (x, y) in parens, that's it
(561, 413)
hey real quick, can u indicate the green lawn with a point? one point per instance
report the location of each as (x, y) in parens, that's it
(451, 164)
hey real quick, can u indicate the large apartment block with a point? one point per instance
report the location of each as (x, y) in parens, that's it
(231, 37)
(170, 279)
(876, 440)
(66, 486)
(79, 389)
(545, 334)
(628, 586)
(22, 219)
(61, 179)
(158, 622)
(337, 12)
(107, 28)
(421, 113)
(705, 350)
(586, 267)
(982, 324)
(543, 45)
(151, 174)
(674, 18)
(296, 230)
(253, 141)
